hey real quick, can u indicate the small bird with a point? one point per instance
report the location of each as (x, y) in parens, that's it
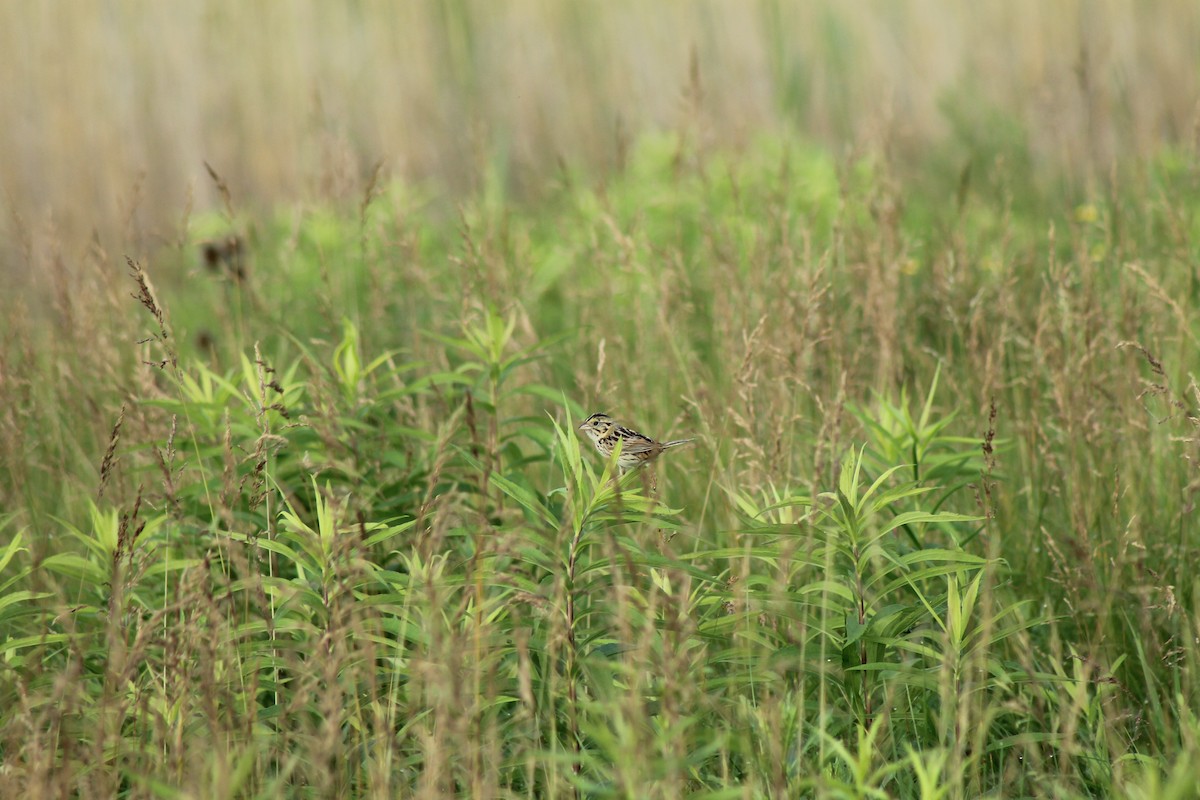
(636, 448)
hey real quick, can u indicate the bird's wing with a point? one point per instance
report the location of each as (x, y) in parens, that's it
(634, 443)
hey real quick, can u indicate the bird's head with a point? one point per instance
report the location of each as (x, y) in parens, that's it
(597, 426)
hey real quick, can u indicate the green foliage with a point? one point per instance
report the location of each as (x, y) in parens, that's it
(354, 546)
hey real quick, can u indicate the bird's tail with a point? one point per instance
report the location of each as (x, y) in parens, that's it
(677, 442)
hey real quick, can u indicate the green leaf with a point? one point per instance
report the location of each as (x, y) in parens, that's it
(21, 596)
(75, 566)
(11, 549)
(526, 499)
(854, 628)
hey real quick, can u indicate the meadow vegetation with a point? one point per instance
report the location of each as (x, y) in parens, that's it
(292, 502)
(307, 515)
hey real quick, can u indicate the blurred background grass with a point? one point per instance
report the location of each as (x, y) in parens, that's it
(111, 109)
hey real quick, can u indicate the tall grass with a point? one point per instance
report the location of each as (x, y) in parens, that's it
(295, 505)
(112, 109)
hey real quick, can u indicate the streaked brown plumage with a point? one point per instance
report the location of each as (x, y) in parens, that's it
(636, 448)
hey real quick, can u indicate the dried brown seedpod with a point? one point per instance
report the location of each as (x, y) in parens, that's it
(224, 255)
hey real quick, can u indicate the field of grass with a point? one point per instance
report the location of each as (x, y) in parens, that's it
(112, 108)
(307, 515)
(302, 310)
